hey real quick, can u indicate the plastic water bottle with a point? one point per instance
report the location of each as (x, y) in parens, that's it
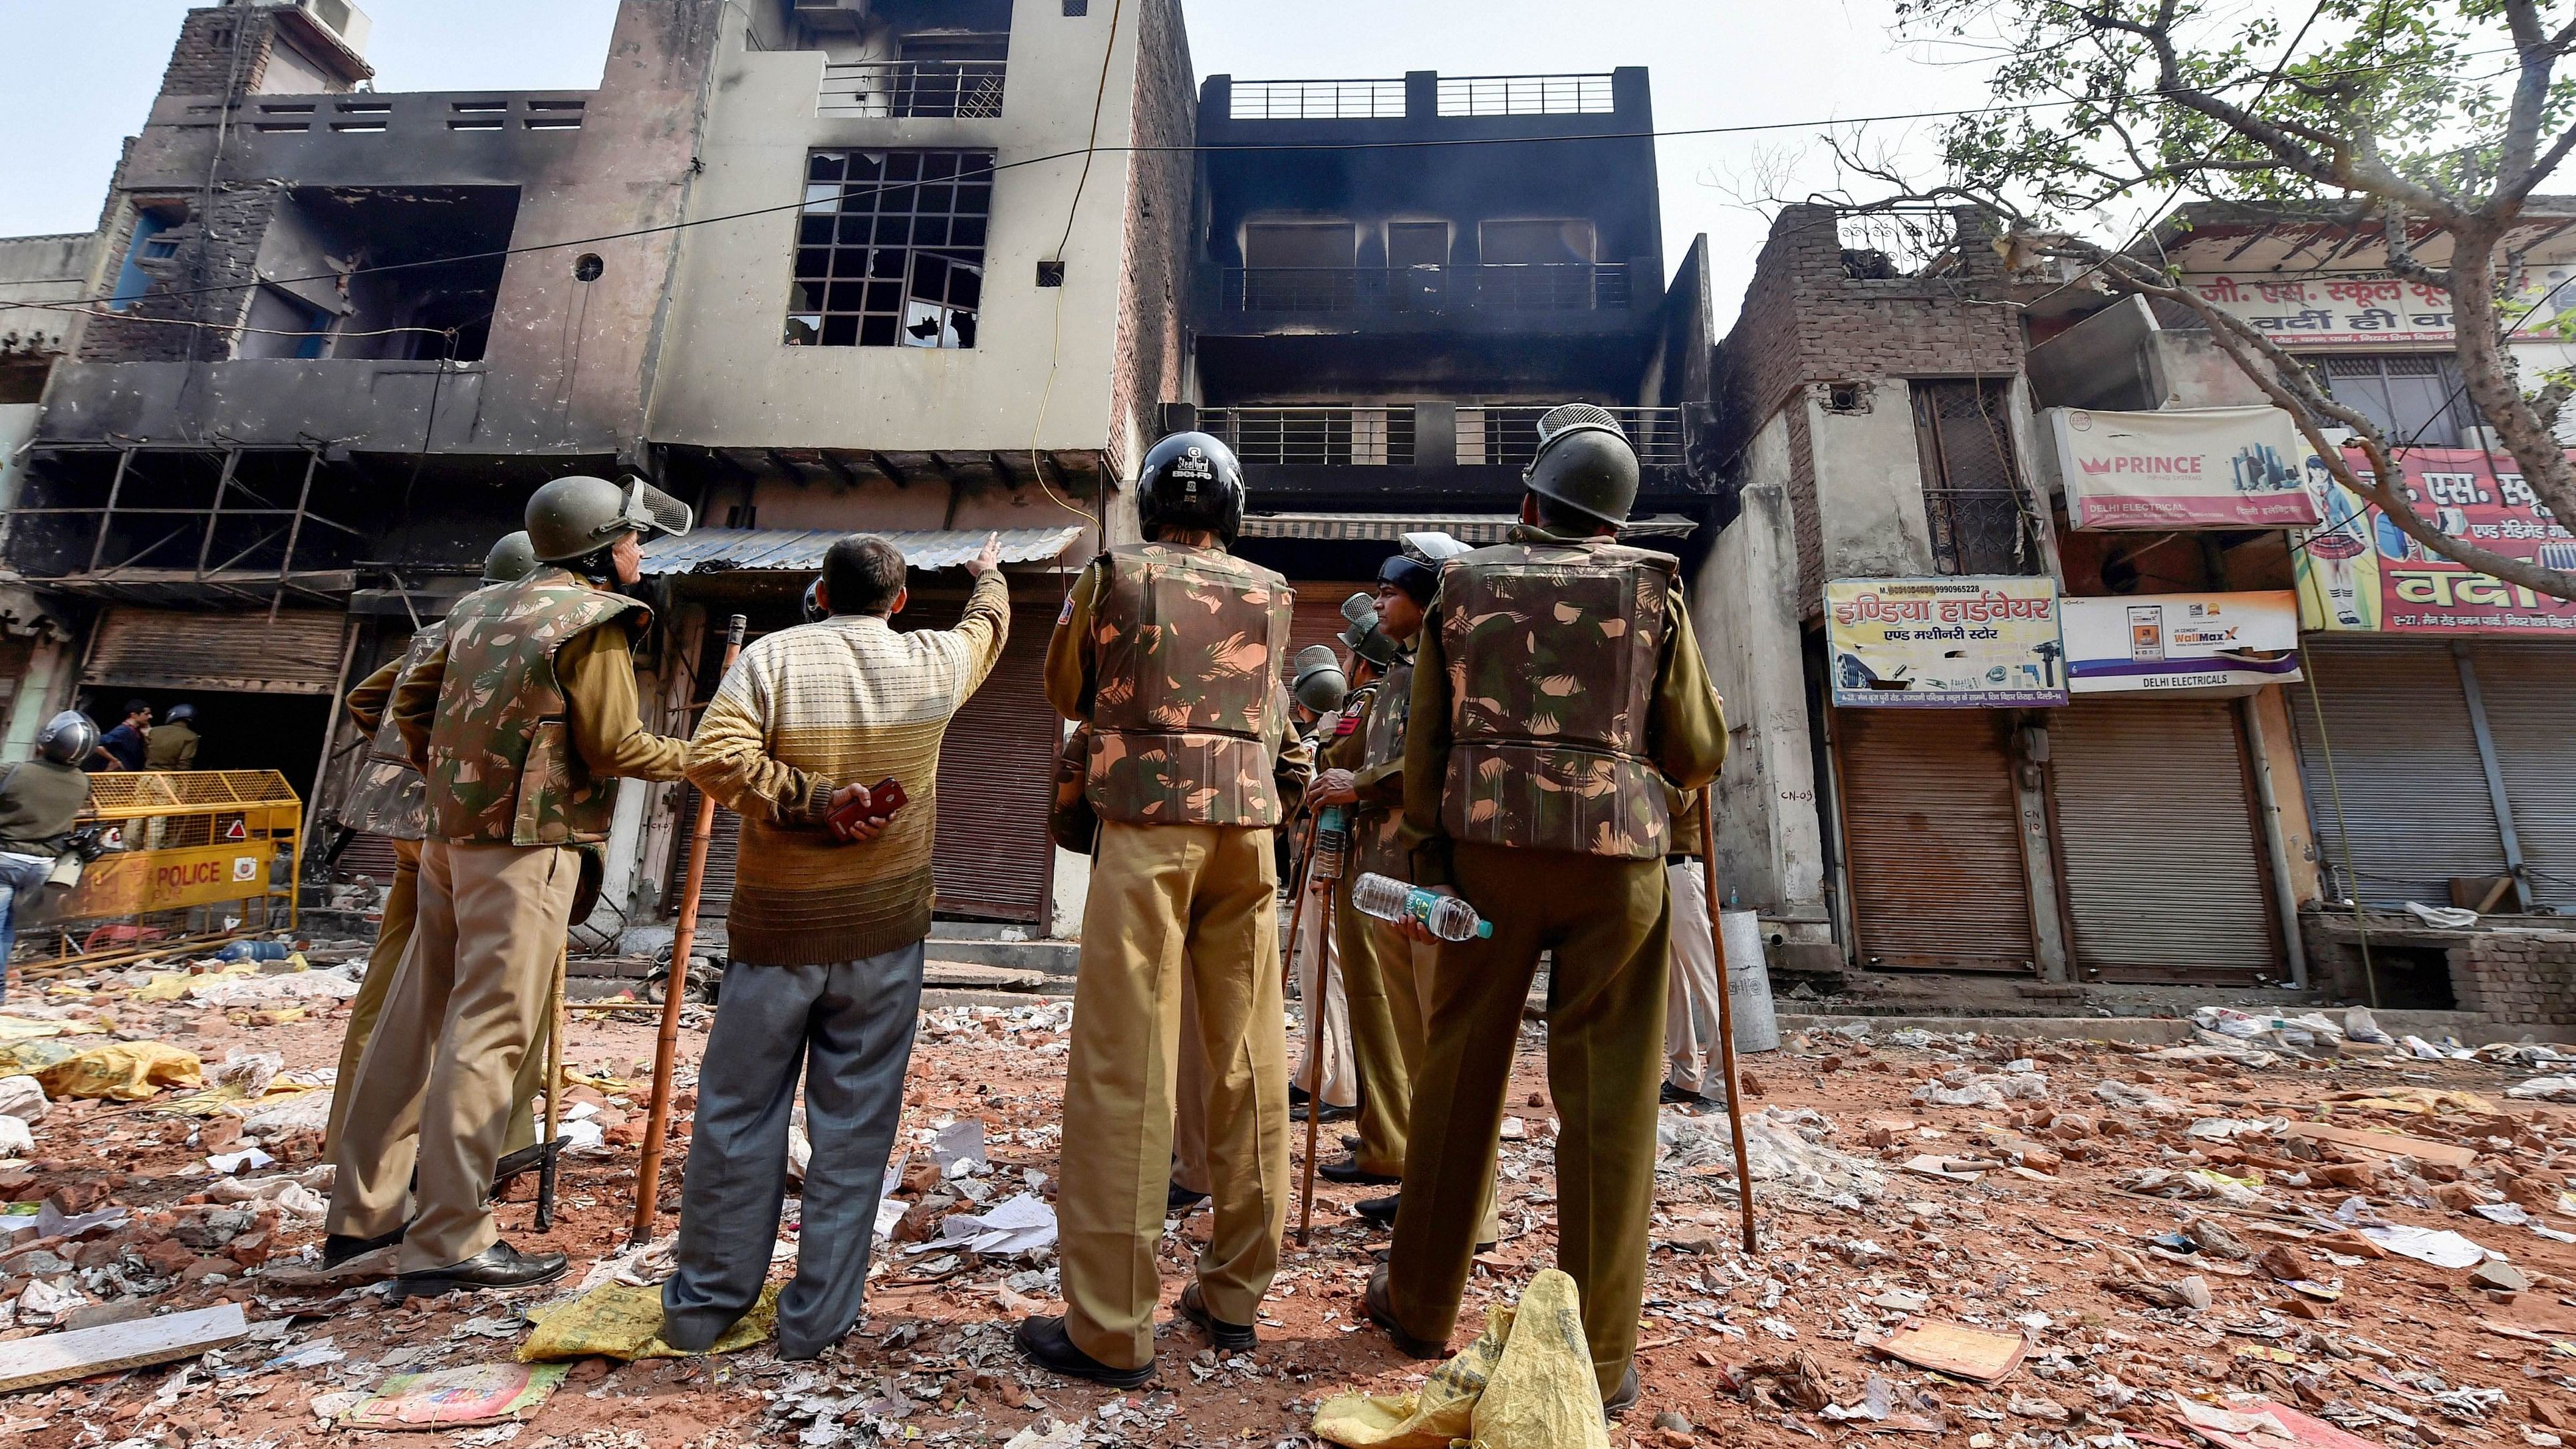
(1332, 841)
(1446, 917)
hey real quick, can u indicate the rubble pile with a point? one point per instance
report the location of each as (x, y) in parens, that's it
(2281, 1234)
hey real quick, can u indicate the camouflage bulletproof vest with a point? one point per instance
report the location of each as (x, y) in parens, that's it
(390, 798)
(1189, 644)
(502, 765)
(1552, 648)
(1373, 833)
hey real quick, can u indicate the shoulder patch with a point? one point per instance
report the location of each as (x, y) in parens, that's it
(1345, 724)
(1064, 615)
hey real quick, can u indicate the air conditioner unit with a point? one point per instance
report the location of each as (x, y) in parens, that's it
(339, 19)
(831, 16)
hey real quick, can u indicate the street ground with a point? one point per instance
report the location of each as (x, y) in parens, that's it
(2048, 1222)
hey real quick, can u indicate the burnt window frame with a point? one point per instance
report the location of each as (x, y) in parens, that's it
(867, 244)
(1969, 502)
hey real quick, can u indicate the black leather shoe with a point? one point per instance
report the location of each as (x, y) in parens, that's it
(512, 1164)
(1331, 1112)
(1625, 1399)
(1044, 1342)
(338, 1248)
(1180, 1199)
(1348, 1171)
(1672, 1096)
(1379, 1209)
(1382, 1313)
(1221, 1333)
(498, 1266)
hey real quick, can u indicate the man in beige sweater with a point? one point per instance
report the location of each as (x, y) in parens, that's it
(826, 931)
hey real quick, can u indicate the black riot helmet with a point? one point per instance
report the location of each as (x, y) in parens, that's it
(1585, 462)
(1191, 481)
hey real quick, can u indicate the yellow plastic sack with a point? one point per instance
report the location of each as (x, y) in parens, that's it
(622, 1321)
(1513, 1388)
(127, 1071)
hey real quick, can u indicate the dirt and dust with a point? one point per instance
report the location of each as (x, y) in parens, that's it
(2153, 1225)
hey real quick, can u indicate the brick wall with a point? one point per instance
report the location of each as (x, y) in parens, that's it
(2516, 978)
(220, 46)
(1150, 349)
(201, 282)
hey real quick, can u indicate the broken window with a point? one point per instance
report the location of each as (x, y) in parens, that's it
(1972, 495)
(890, 249)
(410, 273)
(134, 278)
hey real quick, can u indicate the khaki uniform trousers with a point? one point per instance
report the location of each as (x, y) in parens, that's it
(1405, 966)
(1169, 901)
(1341, 1084)
(384, 963)
(476, 980)
(1376, 1046)
(1607, 921)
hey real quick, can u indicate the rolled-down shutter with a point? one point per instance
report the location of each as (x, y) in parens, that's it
(996, 781)
(297, 653)
(1932, 835)
(2164, 868)
(2406, 785)
(1317, 617)
(724, 847)
(2530, 696)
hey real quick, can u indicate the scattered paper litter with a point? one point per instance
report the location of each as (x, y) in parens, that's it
(2440, 1247)
(456, 1398)
(1023, 1224)
(1788, 1149)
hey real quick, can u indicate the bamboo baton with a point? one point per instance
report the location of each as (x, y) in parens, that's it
(555, 1019)
(1725, 1008)
(657, 1120)
(1315, 1025)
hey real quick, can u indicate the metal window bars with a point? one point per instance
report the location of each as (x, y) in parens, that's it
(1507, 436)
(1972, 494)
(1356, 436)
(912, 89)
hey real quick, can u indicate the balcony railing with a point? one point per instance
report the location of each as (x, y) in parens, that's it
(1547, 286)
(1316, 436)
(1526, 95)
(1507, 437)
(912, 89)
(1317, 100)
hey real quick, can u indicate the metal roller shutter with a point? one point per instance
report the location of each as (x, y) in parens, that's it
(2164, 870)
(1317, 617)
(2530, 695)
(1933, 840)
(298, 653)
(724, 846)
(996, 782)
(2414, 796)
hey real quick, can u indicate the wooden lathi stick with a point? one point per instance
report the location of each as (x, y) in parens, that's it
(1725, 1008)
(666, 1048)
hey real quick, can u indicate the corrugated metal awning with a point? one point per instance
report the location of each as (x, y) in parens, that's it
(800, 550)
(1475, 528)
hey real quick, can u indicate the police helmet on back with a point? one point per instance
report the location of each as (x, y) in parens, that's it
(1191, 482)
(1317, 680)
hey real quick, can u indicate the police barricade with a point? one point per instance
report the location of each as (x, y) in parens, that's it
(190, 860)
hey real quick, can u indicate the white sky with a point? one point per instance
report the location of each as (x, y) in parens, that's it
(83, 73)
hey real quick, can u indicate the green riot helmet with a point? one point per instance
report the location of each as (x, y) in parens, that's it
(575, 517)
(1317, 681)
(512, 559)
(1584, 462)
(1364, 638)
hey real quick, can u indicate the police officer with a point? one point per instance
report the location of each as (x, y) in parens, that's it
(518, 717)
(390, 800)
(1535, 789)
(1170, 651)
(174, 741)
(1378, 1059)
(40, 802)
(1367, 769)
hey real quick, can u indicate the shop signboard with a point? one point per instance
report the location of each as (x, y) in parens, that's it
(1970, 642)
(2360, 307)
(2359, 574)
(2186, 645)
(2185, 468)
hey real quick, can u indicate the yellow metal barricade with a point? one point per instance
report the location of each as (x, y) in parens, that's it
(194, 858)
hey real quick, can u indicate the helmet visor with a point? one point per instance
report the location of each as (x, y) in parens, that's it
(648, 510)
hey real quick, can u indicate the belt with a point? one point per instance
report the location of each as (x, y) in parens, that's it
(1680, 859)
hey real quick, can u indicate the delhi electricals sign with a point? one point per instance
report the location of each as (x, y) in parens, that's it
(2184, 468)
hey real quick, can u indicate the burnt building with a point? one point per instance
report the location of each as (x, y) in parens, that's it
(1392, 279)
